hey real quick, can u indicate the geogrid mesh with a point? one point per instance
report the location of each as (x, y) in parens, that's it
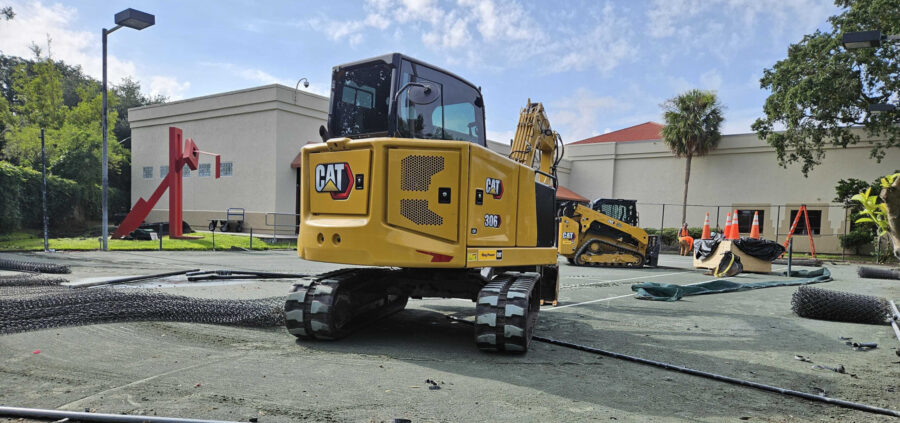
(30, 266)
(31, 303)
(822, 304)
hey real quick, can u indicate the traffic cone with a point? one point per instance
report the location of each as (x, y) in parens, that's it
(706, 228)
(735, 231)
(727, 230)
(754, 230)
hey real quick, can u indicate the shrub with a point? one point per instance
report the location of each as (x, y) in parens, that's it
(21, 202)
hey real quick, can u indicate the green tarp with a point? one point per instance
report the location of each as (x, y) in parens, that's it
(668, 292)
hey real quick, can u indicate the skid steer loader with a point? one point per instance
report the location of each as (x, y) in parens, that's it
(404, 184)
(606, 234)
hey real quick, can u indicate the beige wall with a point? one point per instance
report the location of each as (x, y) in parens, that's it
(742, 173)
(260, 130)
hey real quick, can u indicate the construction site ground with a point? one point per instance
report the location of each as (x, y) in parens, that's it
(230, 373)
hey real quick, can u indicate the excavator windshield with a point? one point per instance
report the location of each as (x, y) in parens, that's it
(400, 97)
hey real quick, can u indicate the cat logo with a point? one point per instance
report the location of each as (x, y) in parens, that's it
(335, 179)
(494, 187)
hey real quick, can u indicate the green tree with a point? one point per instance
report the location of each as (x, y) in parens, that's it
(692, 129)
(821, 92)
(129, 95)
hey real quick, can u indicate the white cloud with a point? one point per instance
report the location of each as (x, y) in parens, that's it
(577, 116)
(35, 22)
(168, 86)
(711, 80)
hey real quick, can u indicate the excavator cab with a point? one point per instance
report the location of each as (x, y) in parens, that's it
(397, 96)
(404, 185)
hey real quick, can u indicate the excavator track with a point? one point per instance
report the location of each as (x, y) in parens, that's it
(585, 249)
(506, 313)
(332, 305)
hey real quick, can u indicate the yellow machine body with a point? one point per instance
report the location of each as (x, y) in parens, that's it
(417, 203)
(589, 237)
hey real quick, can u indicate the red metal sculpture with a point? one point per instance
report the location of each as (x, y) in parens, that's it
(178, 158)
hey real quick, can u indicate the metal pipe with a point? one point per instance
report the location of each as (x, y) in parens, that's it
(790, 255)
(134, 278)
(44, 414)
(105, 158)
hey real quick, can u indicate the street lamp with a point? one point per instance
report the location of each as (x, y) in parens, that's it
(865, 39)
(132, 19)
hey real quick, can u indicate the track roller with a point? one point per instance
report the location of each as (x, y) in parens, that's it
(334, 304)
(506, 313)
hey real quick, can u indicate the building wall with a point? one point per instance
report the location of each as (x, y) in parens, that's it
(742, 173)
(259, 130)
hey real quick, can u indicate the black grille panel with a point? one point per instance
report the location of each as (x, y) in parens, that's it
(416, 172)
(418, 212)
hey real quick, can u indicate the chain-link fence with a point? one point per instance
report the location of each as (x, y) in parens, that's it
(827, 222)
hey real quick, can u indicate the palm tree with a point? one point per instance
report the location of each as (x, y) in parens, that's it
(692, 129)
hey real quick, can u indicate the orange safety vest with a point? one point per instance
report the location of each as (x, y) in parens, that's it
(684, 232)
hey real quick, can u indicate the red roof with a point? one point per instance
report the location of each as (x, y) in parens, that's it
(643, 132)
(565, 194)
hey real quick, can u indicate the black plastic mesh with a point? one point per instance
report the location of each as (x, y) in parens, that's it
(29, 303)
(822, 304)
(877, 273)
(30, 266)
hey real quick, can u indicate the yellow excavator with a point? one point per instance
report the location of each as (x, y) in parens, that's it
(606, 234)
(404, 185)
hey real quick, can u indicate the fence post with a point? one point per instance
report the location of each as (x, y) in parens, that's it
(777, 222)
(841, 241)
(251, 238)
(214, 239)
(662, 220)
(160, 236)
(718, 208)
(44, 189)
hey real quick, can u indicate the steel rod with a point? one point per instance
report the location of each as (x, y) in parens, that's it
(133, 278)
(44, 414)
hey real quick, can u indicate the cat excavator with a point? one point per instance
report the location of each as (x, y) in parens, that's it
(404, 189)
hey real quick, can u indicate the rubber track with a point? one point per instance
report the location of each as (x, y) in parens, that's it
(506, 313)
(31, 266)
(309, 306)
(584, 247)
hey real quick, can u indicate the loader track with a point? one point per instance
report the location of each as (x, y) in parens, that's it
(585, 250)
(332, 305)
(506, 313)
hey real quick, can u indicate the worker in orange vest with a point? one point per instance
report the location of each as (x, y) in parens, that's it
(685, 241)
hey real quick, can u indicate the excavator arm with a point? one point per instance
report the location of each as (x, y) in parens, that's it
(536, 144)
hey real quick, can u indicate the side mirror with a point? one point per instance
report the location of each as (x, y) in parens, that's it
(425, 94)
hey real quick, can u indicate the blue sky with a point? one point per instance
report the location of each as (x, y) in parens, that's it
(597, 66)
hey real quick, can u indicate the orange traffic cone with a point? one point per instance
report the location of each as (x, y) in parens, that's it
(727, 229)
(706, 228)
(754, 230)
(735, 231)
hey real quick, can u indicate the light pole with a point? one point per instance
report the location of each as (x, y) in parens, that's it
(132, 19)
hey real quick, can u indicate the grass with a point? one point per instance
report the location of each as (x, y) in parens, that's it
(24, 241)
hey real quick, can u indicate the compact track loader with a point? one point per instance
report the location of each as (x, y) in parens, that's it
(606, 234)
(404, 184)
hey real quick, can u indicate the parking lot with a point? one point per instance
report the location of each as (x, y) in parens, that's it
(379, 374)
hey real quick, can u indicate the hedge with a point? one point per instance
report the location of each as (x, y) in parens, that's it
(67, 202)
(670, 235)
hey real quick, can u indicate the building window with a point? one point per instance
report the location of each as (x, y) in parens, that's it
(745, 220)
(163, 171)
(203, 170)
(815, 222)
(226, 169)
(148, 172)
(185, 171)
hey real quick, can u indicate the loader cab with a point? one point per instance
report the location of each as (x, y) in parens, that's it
(623, 210)
(400, 97)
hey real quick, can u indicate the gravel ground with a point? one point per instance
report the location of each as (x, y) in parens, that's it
(228, 373)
